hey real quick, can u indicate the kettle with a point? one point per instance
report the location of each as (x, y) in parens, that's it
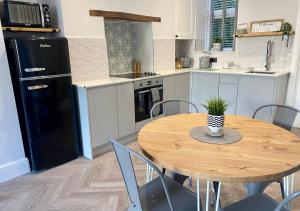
(204, 62)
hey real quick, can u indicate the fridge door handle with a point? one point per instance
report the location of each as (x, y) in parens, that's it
(34, 69)
(37, 87)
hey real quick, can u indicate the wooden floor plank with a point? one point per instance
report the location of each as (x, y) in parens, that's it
(92, 185)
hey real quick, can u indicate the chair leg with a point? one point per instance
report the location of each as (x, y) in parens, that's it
(190, 181)
(282, 188)
(216, 188)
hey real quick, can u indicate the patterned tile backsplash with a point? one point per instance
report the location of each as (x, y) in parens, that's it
(121, 46)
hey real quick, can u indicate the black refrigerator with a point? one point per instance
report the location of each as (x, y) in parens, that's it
(41, 75)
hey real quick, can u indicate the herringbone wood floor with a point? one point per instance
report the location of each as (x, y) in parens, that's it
(90, 185)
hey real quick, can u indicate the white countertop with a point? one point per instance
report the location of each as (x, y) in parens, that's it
(114, 80)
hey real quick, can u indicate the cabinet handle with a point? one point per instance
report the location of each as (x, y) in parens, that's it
(31, 88)
(35, 69)
(146, 91)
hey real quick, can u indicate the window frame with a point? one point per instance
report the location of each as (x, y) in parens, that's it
(209, 30)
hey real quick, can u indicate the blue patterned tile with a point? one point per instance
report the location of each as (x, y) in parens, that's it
(121, 46)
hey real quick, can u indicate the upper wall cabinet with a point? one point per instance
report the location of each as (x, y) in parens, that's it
(185, 19)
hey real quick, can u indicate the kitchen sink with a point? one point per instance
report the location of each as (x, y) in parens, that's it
(261, 72)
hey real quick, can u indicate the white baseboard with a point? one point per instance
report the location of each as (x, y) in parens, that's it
(14, 169)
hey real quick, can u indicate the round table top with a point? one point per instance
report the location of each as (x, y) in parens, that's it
(266, 152)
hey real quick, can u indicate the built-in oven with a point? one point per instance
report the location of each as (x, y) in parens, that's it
(143, 98)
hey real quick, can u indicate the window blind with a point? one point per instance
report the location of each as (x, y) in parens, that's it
(222, 22)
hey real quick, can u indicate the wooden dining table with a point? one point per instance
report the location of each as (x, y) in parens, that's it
(265, 152)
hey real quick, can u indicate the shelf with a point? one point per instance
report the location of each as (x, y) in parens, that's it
(261, 34)
(123, 16)
(27, 29)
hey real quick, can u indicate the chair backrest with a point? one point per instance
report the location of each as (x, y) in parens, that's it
(172, 107)
(123, 155)
(284, 116)
(287, 200)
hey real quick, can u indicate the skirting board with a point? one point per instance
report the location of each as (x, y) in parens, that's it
(14, 169)
(108, 147)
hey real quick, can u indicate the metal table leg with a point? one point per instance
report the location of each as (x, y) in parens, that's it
(218, 197)
(207, 196)
(198, 195)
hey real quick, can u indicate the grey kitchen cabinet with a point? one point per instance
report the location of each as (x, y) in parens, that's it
(169, 85)
(257, 91)
(177, 87)
(228, 90)
(182, 82)
(103, 115)
(204, 87)
(104, 112)
(126, 113)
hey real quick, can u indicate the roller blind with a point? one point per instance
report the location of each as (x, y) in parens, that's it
(223, 23)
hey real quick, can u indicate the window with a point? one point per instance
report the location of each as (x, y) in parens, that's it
(223, 19)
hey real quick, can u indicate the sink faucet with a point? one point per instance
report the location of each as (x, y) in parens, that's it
(269, 55)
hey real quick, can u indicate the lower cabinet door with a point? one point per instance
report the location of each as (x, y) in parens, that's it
(103, 114)
(204, 87)
(183, 90)
(254, 92)
(126, 112)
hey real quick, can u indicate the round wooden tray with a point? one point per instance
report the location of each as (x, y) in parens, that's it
(202, 134)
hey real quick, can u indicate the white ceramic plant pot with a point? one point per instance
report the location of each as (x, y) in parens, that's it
(215, 123)
(216, 46)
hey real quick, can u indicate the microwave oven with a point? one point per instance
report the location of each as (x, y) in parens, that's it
(25, 14)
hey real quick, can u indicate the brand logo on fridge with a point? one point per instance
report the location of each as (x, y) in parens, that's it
(45, 46)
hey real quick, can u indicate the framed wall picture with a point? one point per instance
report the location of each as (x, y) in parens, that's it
(266, 26)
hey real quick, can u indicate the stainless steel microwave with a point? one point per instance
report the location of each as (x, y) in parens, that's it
(25, 14)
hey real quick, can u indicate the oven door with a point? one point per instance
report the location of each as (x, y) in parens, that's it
(144, 103)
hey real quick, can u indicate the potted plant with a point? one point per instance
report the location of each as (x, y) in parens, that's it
(216, 108)
(217, 44)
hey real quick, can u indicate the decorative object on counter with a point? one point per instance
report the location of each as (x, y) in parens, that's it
(186, 62)
(204, 62)
(242, 29)
(212, 60)
(203, 134)
(178, 64)
(266, 26)
(216, 108)
(217, 44)
(286, 30)
(136, 66)
(229, 65)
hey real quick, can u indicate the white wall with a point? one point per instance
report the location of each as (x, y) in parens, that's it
(12, 159)
(256, 10)
(293, 96)
(78, 23)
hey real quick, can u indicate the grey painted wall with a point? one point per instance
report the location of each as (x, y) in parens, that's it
(12, 159)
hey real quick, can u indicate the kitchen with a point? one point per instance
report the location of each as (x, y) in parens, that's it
(109, 106)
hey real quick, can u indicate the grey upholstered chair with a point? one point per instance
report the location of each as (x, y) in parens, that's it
(261, 202)
(161, 194)
(173, 107)
(284, 116)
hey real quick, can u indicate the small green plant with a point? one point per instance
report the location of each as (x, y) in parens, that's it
(217, 40)
(216, 106)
